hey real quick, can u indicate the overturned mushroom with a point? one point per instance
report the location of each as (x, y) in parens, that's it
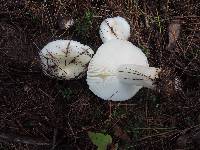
(114, 28)
(65, 59)
(119, 70)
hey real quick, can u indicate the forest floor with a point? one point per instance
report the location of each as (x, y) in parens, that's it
(38, 112)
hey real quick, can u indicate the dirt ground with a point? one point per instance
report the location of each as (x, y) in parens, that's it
(38, 112)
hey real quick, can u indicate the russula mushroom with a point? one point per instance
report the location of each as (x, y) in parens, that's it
(119, 70)
(65, 59)
(114, 28)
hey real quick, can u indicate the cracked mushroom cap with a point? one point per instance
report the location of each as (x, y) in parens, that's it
(65, 59)
(114, 28)
(102, 70)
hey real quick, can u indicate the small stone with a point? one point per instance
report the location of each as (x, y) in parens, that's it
(26, 88)
(66, 23)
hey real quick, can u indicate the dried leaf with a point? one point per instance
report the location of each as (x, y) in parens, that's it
(114, 146)
(118, 132)
(174, 32)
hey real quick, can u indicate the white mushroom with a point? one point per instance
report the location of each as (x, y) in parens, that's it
(118, 70)
(65, 59)
(114, 28)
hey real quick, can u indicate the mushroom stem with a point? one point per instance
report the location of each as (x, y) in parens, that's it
(138, 75)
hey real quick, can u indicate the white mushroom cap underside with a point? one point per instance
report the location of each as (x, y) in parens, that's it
(65, 59)
(114, 28)
(102, 71)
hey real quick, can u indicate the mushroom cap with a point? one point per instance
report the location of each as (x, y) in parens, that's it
(102, 70)
(114, 28)
(65, 59)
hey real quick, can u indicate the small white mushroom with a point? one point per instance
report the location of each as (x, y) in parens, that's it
(118, 70)
(65, 59)
(114, 28)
